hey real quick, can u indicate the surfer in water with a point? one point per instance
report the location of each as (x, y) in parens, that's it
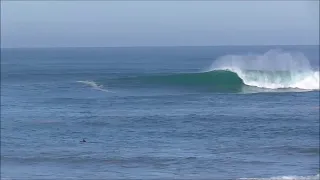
(83, 140)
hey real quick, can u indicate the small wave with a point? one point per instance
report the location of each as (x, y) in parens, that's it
(80, 158)
(94, 85)
(316, 177)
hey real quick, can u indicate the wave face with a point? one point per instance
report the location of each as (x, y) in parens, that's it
(217, 80)
(275, 69)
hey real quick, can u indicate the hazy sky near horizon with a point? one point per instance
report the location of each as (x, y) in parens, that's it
(158, 23)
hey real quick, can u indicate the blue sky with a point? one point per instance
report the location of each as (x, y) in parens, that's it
(158, 23)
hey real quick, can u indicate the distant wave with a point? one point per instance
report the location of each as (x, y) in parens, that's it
(94, 85)
(316, 177)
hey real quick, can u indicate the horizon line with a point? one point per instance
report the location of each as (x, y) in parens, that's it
(155, 46)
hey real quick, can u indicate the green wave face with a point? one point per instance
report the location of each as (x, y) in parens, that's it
(219, 80)
(245, 81)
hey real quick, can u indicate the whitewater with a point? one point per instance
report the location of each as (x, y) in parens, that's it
(275, 69)
(94, 85)
(316, 177)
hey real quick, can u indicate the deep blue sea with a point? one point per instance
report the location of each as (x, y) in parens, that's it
(240, 112)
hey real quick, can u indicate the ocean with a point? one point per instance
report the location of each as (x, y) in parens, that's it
(220, 112)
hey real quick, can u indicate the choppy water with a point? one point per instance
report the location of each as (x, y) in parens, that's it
(160, 113)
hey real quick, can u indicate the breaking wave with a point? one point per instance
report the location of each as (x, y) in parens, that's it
(275, 69)
(316, 177)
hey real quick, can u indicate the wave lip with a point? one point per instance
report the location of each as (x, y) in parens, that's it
(273, 70)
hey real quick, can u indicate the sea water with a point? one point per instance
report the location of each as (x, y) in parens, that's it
(160, 113)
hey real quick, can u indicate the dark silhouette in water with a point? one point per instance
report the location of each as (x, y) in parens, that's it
(83, 140)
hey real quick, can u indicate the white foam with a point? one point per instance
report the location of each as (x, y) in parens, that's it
(316, 177)
(263, 70)
(94, 85)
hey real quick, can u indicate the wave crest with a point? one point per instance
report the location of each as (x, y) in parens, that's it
(274, 69)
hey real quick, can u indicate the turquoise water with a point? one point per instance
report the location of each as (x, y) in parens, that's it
(158, 113)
